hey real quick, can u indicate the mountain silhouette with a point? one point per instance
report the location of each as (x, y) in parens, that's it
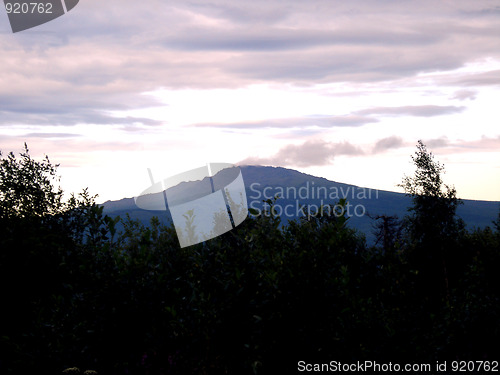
(296, 190)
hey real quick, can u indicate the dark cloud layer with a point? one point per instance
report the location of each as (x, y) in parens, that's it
(102, 55)
(282, 39)
(68, 118)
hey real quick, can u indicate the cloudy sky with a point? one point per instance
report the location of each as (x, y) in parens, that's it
(337, 89)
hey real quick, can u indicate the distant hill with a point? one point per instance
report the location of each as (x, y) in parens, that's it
(296, 189)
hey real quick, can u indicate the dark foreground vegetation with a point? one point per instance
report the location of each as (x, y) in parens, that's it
(78, 293)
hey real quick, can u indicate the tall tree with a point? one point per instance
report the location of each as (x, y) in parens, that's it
(432, 224)
(433, 213)
(27, 187)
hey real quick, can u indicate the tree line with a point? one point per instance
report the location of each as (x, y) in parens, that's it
(80, 295)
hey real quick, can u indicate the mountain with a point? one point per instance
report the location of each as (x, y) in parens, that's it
(297, 189)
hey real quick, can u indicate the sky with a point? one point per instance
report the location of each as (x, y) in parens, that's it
(336, 89)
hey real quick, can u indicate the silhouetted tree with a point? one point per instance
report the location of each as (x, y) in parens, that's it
(387, 230)
(47, 247)
(432, 224)
(496, 223)
(27, 187)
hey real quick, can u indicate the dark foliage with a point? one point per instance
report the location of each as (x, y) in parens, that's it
(255, 300)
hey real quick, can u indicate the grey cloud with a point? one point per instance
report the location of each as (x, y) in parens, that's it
(491, 78)
(64, 117)
(320, 121)
(437, 142)
(484, 144)
(464, 95)
(51, 135)
(491, 11)
(262, 11)
(274, 39)
(418, 111)
(310, 153)
(348, 63)
(387, 143)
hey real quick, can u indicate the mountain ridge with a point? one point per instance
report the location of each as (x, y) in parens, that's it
(260, 180)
